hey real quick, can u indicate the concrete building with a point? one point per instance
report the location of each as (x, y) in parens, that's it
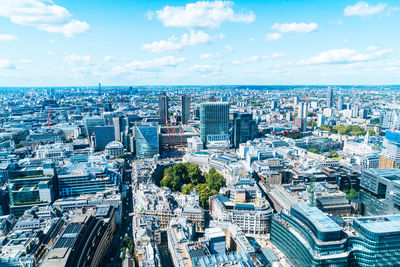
(252, 218)
(163, 108)
(380, 191)
(185, 108)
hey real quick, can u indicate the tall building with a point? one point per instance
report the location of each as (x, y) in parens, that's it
(340, 103)
(391, 120)
(390, 156)
(244, 128)
(147, 139)
(185, 104)
(117, 128)
(274, 104)
(330, 97)
(163, 108)
(308, 237)
(104, 136)
(91, 122)
(301, 120)
(99, 92)
(214, 119)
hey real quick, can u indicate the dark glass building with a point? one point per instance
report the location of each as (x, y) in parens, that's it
(245, 128)
(104, 136)
(214, 119)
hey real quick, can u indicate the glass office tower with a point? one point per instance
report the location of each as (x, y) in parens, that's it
(147, 139)
(214, 119)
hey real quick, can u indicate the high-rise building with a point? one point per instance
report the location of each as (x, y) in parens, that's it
(390, 156)
(274, 104)
(147, 139)
(92, 122)
(104, 136)
(391, 120)
(320, 119)
(117, 128)
(163, 108)
(301, 120)
(244, 128)
(330, 97)
(99, 92)
(214, 119)
(308, 237)
(340, 103)
(185, 106)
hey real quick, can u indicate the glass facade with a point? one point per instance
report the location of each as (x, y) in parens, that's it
(104, 136)
(244, 128)
(369, 241)
(147, 139)
(214, 119)
(92, 122)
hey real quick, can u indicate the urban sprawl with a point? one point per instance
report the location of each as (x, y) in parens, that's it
(200, 176)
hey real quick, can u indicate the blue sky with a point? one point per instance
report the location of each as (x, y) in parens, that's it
(127, 42)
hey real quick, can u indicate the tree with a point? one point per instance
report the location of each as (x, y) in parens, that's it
(187, 189)
(333, 154)
(214, 180)
(313, 150)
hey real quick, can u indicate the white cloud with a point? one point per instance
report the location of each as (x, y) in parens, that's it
(6, 64)
(77, 60)
(205, 68)
(363, 9)
(7, 37)
(205, 14)
(43, 15)
(210, 56)
(343, 56)
(228, 48)
(295, 27)
(108, 58)
(273, 36)
(372, 48)
(155, 64)
(257, 58)
(277, 55)
(195, 38)
(52, 41)
(51, 52)
(172, 44)
(26, 60)
(247, 60)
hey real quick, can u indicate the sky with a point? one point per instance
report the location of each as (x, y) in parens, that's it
(264, 42)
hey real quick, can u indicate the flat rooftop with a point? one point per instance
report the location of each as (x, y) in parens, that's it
(321, 221)
(388, 224)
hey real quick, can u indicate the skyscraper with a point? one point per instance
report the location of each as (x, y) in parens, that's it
(340, 103)
(244, 128)
(104, 136)
(163, 108)
(99, 92)
(147, 139)
(330, 97)
(214, 119)
(92, 122)
(117, 128)
(185, 104)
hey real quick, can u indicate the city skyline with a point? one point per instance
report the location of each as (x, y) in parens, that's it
(75, 43)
